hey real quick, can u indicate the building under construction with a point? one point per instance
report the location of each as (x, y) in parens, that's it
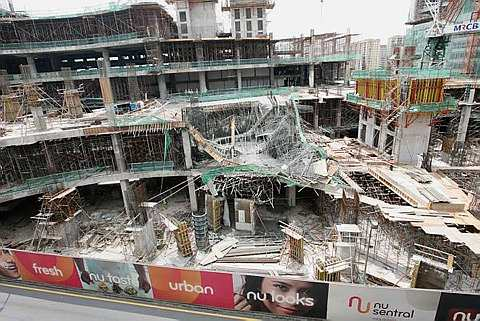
(128, 140)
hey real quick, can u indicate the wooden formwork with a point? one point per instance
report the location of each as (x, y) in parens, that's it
(183, 240)
(214, 209)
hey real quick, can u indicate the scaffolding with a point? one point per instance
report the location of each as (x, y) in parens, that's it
(140, 19)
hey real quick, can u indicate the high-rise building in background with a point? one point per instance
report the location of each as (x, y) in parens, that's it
(369, 54)
(383, 56)
(461, 51)
(248, 17)
(394, 42)
(196, 19)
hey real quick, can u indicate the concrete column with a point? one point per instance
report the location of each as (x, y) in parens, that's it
(316, 112)
(382, 139)
(348, 71)
(38, 118)
(238, 52)
(272, 77)
(33, 67)
(292, 196)
(187, 150)
(311, 75)
(106, 58)
(370, 134)
(122, 167)
(192, 195)
(239, 79)
(118, 153)
(54, 64)
(50, 164)
(162, 86)
(199, 51)
(397, 140)
(360, 123)
(339, 113)
(203, 81)
(127, 197)
(465, 119)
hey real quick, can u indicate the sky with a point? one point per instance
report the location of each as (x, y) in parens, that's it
(370, 18)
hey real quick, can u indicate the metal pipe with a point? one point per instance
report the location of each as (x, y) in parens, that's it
(373, 226)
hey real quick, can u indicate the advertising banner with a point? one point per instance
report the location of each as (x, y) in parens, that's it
(286, 297)
(346, 303)
(195, 287)
(458, 307)
(43, 268)
(114, 277)
(279, 296)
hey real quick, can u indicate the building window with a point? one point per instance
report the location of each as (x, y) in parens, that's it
(260, 33)
(260, 24)
(238, 35)
(248, 13)
(259, 12)
(183, 28)
(237, 26)
(237, 13)
(183, 16)
(249, 35)
(249, 26)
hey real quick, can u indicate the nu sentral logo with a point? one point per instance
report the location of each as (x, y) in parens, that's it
(464, 315)
(378, 309)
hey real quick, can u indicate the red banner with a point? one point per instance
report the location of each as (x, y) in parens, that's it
(195, 287)
(46, 268)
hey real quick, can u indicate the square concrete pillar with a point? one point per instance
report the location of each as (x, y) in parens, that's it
(292, 196)
(203, 81)
(162, 86)
(311, 76)
(31, 64)
(239, 79)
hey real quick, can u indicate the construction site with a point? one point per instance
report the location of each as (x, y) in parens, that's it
(130, 135)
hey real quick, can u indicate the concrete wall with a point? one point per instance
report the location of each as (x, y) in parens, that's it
(414, 139)
(203, 20)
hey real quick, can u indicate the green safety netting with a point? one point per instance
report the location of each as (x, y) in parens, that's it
(45, 181)
(417, 73)
(245, 169)
(152, 166)
(65, 43)
(229, 94)
(449, 103)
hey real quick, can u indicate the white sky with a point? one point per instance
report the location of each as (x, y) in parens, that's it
(370, 18)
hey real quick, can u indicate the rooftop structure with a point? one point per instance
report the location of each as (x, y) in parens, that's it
(196, 19)
(248, 17)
